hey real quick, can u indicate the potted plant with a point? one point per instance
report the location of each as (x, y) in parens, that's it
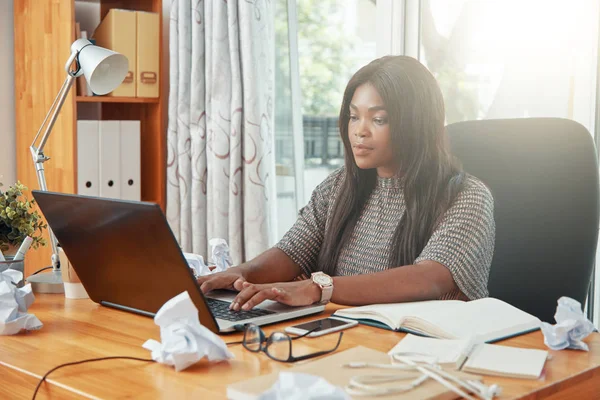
(18, 219)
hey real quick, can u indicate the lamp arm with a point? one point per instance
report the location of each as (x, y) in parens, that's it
(53, 115)
(37, 152)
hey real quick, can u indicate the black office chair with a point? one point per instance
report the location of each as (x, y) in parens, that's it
(543, 174)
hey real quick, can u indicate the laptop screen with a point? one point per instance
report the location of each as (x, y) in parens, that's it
(124, 252)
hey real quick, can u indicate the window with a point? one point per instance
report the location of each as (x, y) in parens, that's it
(508, 59)
(334, 39)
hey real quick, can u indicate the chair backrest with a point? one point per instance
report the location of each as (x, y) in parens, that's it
(543, 174)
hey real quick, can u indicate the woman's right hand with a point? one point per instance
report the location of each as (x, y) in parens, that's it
(232, 279)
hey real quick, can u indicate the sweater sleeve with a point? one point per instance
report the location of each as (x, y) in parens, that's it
(302, 243)
(464, 240)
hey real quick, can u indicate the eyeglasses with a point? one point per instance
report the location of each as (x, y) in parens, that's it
(278, 346)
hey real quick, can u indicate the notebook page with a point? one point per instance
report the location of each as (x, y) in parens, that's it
(489, 319)
(506, 361)
(395, 313)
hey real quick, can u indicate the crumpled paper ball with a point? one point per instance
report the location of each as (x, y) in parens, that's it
(14, 303)
(570, 329)
(196, 263)
(220, 254)
(184, 341)
(300, 386)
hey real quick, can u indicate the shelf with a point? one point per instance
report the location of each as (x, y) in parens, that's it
(107, 99)
(28, 17)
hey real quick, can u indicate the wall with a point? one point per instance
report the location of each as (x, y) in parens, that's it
(7, 93)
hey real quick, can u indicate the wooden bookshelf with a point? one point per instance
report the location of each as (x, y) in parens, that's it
(44, 31)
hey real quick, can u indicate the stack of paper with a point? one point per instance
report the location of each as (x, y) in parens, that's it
(506, 361)
(482, 358)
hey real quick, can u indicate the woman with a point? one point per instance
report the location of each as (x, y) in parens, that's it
(400, 222)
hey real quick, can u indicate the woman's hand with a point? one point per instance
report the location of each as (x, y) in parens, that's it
(232, 279)
(298, 293)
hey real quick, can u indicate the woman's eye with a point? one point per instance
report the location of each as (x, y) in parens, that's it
(380, 121)
(353, 118)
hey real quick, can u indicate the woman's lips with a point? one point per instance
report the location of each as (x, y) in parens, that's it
(361, 149)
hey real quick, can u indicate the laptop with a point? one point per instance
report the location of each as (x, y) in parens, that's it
(127, 257)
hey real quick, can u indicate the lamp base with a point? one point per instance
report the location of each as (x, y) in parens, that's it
(50, 282)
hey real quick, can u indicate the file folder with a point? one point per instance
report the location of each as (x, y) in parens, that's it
(148, 44)
(117, 32)
(130, 160)
(87, 158)
(110, 159)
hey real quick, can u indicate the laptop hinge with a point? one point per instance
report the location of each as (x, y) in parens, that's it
(125, 308)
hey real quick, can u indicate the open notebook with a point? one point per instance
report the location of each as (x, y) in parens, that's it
(479, 358)
(487, 319)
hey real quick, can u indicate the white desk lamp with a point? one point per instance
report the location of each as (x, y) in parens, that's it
(104, 71)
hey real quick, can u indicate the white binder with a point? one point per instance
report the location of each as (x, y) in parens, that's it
(110, 159)
(130, 160)
(87, 158)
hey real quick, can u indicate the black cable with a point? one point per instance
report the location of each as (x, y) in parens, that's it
(41, 270)
(85, 361)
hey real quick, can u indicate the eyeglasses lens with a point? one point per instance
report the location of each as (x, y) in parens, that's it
(279, 346)
(252, 338)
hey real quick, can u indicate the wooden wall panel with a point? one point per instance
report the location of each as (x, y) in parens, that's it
(44, 31)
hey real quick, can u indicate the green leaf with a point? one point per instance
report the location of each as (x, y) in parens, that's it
(18, 218)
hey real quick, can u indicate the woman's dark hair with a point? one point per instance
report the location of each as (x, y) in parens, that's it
(432, 177)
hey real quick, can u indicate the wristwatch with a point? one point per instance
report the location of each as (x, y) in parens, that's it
(325, 282)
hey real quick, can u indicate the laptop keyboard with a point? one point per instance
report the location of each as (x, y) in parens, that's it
(220, 309)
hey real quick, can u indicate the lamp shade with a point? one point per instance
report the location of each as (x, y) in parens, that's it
(103, 69)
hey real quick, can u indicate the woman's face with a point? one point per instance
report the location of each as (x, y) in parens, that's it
(369, 132)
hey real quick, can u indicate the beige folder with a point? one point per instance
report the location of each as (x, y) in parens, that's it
(332, 369)
(148, 44)
(117, 32)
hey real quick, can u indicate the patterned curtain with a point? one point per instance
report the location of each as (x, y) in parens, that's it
(221, 167)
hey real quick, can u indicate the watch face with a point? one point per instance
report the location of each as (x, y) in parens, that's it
(322, 279)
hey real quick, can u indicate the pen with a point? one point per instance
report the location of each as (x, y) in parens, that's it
(23, 249)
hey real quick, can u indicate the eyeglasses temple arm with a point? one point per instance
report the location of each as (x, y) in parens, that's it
(304, 334)
(318, 353)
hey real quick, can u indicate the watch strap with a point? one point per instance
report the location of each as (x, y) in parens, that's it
(326, 293)
(326, 290)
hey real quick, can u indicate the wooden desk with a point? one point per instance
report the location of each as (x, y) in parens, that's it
(79, 329)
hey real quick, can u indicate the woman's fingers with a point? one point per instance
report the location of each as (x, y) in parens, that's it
(208, 284)
(252, 295)
(220, 281)
(282, 296)
(248, 291)
(239, 284)
(259, 297)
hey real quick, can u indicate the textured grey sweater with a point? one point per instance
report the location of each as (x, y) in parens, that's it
(463, 241)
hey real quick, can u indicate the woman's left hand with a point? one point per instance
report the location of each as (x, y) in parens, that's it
(297, 293)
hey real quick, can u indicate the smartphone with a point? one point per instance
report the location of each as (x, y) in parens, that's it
(321, 326)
